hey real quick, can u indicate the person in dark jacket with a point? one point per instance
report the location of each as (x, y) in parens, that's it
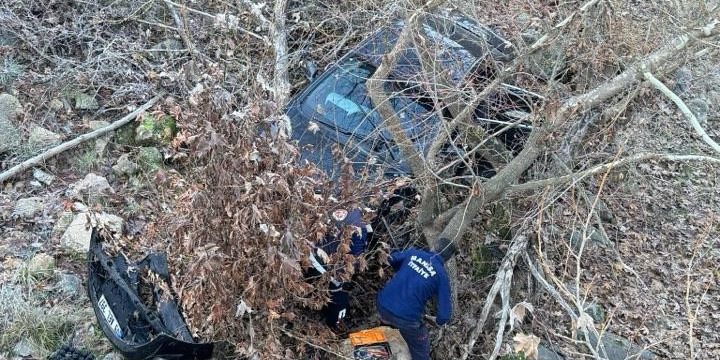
(335, 311)
(419, 276)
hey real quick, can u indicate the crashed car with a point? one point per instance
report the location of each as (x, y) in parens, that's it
(135, 307)
(335, 110)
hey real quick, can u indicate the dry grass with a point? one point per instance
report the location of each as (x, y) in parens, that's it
(30, 316)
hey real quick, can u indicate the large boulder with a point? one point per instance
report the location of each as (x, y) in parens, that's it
(10, 108)
(77, 235)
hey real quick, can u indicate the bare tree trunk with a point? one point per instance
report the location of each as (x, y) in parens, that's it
(278, 33)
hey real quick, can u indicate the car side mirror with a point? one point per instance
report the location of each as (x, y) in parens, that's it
(310, 69)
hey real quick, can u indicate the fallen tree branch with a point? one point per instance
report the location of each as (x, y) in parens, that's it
(533, 185)
(36, 160)
(685, 110)
(501, 285)
(549, 287)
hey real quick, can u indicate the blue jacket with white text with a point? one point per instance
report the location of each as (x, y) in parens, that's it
(419, 275)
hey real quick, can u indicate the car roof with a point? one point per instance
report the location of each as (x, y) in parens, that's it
(465, 43)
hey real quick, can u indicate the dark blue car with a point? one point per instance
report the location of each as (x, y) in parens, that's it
(334, 110)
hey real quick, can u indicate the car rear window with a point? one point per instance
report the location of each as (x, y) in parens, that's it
(342, 103)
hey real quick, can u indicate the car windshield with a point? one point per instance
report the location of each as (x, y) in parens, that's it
(342, 103)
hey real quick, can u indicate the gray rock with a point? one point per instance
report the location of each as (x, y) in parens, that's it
(150, 157)
(596, 312)
(125, 167)
(714, 98)
(595, 237)
(7, 38)
(56, 105)
(545, 62)
(80, 207)
(69, 284)
(77, 235)
(28, 207)
(40, 265)
(619, 348)
(26, 348)
(85, 102)
(92, 186)
(143, 135)
(9, 106)
(683, 80)
(101, 142)
(9, 134)
(165, 48)
(63, 221)
(113, 356)
(700, 108)
(43, 138)
(545, 353)
(43, 177)
(98, 124)
(10, 70)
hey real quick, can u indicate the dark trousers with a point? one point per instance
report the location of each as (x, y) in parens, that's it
(414, 333)
(336, 309)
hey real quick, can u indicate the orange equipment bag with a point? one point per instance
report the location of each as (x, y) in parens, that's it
(369, 336)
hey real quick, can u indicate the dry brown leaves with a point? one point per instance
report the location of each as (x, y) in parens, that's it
(244, 220)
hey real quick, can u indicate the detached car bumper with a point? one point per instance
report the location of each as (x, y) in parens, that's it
(135, 307)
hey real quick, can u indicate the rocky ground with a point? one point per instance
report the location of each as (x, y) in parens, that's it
(45, 220)
(63, 72)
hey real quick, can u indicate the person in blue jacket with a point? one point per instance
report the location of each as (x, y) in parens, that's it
(419, 276)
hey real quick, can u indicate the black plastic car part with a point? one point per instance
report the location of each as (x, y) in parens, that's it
(70, 352)
(135, 307)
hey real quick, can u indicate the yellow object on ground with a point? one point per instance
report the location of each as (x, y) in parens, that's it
(368, 336)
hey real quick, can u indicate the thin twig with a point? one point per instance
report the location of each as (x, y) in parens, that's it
(532, 185)
(181, 27)
(685, 110)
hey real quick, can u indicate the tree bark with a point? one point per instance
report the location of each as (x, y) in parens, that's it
(556, 116)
